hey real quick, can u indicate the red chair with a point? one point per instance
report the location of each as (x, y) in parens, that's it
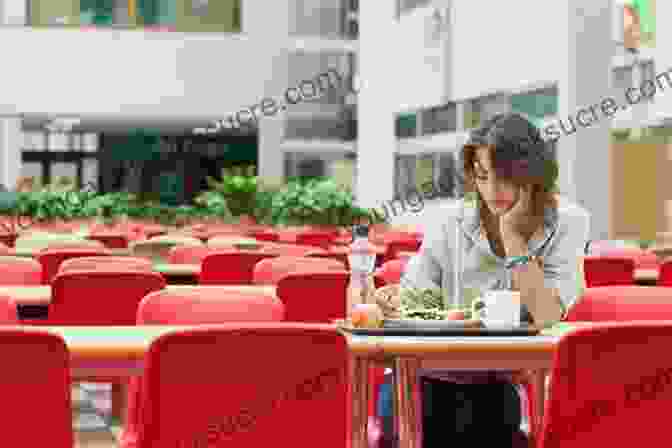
(106, 263)
(644, 259)
(615, 304)
(260, 399)
(389, 273)
(265, 235)
(111, 241)
(317, 297)
(5, 250)
(99, 297)
(51, 260)
(342, 257)
(37, 384)
(8, 239)
(270, 271)
(292, 250)
(322, 240)
(20, 271)
(195, 306)
(665, 275)
(189, 254)
(606, 381)
(230, 268)
(396, 246)
(608, 271)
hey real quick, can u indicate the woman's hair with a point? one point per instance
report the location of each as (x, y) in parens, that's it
(519, 155)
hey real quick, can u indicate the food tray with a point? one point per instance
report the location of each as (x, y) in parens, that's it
(456, 328)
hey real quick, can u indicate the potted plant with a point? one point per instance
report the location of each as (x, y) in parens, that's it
(239, 188)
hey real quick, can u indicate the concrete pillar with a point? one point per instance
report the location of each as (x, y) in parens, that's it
(11, 142)
(376, 140)
(586, 48)
(271, 158)
(13, 12)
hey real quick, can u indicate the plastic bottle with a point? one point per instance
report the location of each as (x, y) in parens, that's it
(362, 261)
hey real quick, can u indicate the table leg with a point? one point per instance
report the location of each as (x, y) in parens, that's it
(539, 400)
(119, 401)
(408, 402)
(361, 394)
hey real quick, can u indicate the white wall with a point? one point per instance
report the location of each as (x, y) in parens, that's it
(504, 44)
(136, 73)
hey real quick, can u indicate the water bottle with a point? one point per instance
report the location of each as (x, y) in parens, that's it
(362, 261)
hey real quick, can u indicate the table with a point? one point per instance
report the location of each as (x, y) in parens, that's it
(41, 295)
(408, 355)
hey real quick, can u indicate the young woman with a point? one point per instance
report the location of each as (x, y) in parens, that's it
(517, 234)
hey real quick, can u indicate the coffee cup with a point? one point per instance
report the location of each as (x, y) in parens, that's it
(502, 308)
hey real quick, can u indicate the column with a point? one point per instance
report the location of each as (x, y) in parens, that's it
(376, 139)
(271, 158)
(11, 142)
(13, 12)
(585, 49)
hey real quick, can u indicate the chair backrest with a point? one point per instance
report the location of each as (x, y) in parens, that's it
(156, 249)
(390, 272)
(265, 235)
(293, 250)
(51, 260)
(100, 297)
(36, 386)
(20, 271)
(4, 249)
(105, 262)
(644, 259)
(270, 271)
(318, 239)
(394, 247)
(8, 311)
(339, 256)
(189, 254)
(622, 303)
(230, 240)
(230, 268)
(211, 305)
(245, 409)
(318, 297)
(665, 274)
(608, 271)
(606, 381)
(73, 245)
(111, 241)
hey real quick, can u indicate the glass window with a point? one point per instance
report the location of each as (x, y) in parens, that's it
(537, 104)
(439, 119)
(34, 141)
(406, 126)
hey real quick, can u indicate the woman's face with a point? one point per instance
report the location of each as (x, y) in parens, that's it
(499, 195)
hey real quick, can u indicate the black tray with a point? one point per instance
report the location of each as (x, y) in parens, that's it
(455, 332)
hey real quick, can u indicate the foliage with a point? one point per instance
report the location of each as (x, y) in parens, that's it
(239, 188)
(315, 201)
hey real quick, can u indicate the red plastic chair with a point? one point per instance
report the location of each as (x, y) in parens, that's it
(265, 235)
(605, 382)
(36, 381)
(5, 250)
(51, 260)
(111, 241)
(20, 271)
(644, 259)
(319, 297)
(389, 273)
(292, 250)
(193, 306)
(396, 246)
(99, 297)
(322, 240)
(244, 409)
(189, 254)
(230, 268)
(270, 271)
(8, 239)
(665, 274)
(608, 271)
(106, 263)
(343, 258)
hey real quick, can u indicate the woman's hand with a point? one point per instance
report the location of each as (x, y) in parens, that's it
(388, 299)
(512, 224)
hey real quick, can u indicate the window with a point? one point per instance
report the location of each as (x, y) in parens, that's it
(406, 126)
(439, 119)
(536, 104)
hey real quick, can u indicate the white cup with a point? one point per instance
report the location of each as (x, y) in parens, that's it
(502, 308)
